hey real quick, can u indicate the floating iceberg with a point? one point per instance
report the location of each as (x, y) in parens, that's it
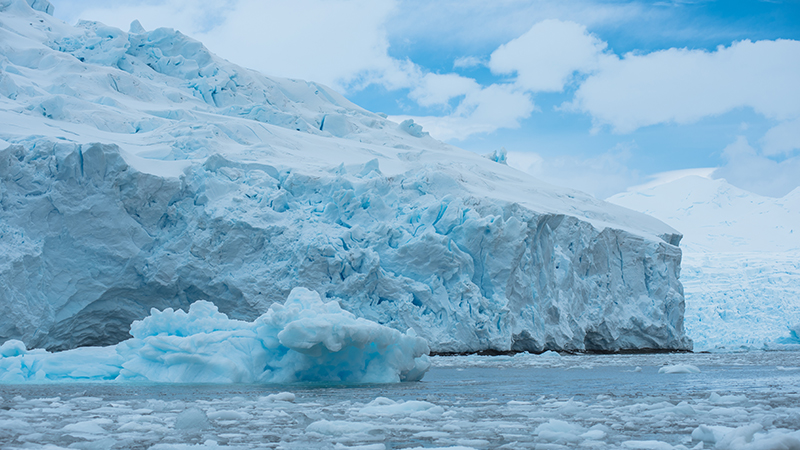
(305, 339)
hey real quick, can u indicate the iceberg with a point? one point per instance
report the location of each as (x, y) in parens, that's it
(303, 339)
(138, 170)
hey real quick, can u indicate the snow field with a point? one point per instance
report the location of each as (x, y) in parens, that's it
(303, 339)
(464, 414)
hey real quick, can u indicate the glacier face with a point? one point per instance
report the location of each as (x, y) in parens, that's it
(741, 261)
(142, 171)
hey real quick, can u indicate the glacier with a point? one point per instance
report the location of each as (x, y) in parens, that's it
(741, 261)
(138, 170)
(303, 339)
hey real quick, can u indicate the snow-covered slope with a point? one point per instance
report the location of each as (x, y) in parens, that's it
(741, 263)
(141, 171)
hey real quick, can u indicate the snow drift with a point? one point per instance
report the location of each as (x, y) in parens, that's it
(305, 339)
(141, 171)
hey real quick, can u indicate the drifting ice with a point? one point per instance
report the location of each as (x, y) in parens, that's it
(304, 339)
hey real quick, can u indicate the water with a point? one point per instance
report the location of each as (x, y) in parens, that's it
(525, 401)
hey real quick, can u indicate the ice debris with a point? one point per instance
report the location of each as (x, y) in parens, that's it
(679, 368)
(305, 339)
(498, 156)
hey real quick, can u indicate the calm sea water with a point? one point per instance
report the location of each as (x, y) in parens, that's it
(526, 401)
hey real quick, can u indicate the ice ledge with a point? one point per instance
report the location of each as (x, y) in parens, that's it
(101, 243)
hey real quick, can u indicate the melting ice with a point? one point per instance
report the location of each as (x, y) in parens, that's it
(305, 339)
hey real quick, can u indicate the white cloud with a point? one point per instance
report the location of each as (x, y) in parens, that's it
(333, 42)
(747, 169)
(601, 176)
(546, 56)
(435, 89)
(682, 86)
(481, 111)
(466, 62)
(476, 26)
(188, 16)
(782, 139)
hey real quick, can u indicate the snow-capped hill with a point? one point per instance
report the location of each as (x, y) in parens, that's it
(140, 81)
(143, 171)
(741, 263)
(714, 215)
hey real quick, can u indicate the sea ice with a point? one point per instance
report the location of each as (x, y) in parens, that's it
(516, 403)
(679, 368)
(304, 339)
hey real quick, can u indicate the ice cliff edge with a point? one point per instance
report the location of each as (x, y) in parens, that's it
(140, 171)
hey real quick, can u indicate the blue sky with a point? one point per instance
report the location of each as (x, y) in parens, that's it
(597, 95)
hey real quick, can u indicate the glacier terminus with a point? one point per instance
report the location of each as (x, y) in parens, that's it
(138, 170)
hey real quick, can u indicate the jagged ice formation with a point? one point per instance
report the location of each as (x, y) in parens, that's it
(138, 170)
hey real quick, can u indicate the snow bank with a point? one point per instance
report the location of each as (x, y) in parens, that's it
(144, 172)
(305, 339)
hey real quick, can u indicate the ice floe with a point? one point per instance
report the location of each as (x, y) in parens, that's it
(304, 339)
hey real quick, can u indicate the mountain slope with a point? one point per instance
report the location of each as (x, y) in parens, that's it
(143, 171)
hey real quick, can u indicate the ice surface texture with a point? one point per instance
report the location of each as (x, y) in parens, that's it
(142, 171)
(741, 261)
(738, 401)
(304, 339)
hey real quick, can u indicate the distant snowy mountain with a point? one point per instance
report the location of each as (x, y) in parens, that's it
(138, 170)
(741, 262)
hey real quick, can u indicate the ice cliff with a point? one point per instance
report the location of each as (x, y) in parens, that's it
(138, 170)
(741, 261)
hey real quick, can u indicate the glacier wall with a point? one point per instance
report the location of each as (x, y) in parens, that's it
(139, 170)
(94, 244)
(741, 261)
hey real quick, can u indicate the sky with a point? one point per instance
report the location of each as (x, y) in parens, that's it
(595, 95)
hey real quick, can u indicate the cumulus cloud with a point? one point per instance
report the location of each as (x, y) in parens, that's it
(682, 86)
(481, 111)
(782, 139)
(602, 176)
(747, 169)
(466, 62)
(546, 56)
(333, 42)
(435, 89)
